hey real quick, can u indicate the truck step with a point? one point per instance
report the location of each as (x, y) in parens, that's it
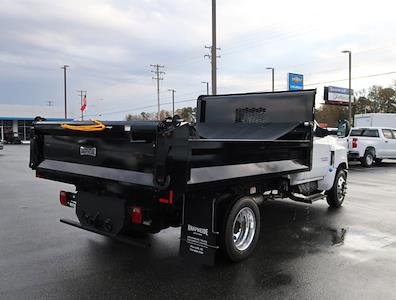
(140, 242)
(307, 199)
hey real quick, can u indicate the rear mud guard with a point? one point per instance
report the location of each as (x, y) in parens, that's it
(199, 239)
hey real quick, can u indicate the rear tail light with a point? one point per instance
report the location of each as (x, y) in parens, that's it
(67, 198)
(136, 215)
(354, 142)
(168, 200)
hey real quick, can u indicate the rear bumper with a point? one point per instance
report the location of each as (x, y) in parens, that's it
(122, 238)
(353, 155)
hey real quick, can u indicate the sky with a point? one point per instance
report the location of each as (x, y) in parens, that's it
(110, 44)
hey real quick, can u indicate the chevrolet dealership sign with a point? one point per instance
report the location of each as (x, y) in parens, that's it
(295, 82)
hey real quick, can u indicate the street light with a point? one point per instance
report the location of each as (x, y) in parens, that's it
(273, 73)
(350, 85)
(64, 86)
(207, 86)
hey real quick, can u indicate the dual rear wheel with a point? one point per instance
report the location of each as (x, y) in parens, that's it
(240, 229)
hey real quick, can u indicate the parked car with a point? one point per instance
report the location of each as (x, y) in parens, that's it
(13, 139)
(371, 144)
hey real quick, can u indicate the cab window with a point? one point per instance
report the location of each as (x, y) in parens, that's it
(356, 132)
(365, 132)
(387, 133)
(370, 133)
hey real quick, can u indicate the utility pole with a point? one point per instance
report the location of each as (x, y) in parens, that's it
(273, 77)
(64, 85)
(350, 86)
(173, 101)
(81, 102)
(207, 86)
(214, 50)
(158, 77)
(209, 56)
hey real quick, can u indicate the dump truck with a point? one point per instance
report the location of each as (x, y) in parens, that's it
(135, 178)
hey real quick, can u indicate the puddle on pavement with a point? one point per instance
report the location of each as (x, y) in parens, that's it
(355, 242)
(362, 243)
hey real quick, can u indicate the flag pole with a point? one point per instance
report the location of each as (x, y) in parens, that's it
(81, 102)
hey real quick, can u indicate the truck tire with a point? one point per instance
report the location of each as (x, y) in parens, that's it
(241, 229)
(336, 195)
(368, 159)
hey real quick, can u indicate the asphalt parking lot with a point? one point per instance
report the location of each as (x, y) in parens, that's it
(304, 252)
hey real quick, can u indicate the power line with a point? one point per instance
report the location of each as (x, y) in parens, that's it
(142, 107)
(358, 77)
(190, 100)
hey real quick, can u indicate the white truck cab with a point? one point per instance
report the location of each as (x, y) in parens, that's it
(371, 144)
(328, 156)
(328, 175)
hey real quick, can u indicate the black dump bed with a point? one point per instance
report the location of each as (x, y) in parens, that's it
(237, 138)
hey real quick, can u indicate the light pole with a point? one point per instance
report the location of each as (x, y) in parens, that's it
(207, 86)
(64, 85)
(214, 49)
(350, 86)
(273, 79)
(173, 101)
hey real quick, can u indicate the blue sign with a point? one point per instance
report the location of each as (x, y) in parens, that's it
(295, 82)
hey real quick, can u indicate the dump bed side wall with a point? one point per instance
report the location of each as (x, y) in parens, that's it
(247, 136)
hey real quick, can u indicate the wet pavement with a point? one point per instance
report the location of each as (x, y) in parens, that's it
(304, 252)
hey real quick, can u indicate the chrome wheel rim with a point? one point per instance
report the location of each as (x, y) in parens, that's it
(369, 159)
(341, 188)
(244, 228)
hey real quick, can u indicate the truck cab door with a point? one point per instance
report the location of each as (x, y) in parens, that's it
(389, 143)
(393, 150)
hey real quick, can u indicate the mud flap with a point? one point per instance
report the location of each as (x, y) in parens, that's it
(199, 238)
(102, 213)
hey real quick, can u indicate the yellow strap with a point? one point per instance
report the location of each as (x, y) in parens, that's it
(98, 127)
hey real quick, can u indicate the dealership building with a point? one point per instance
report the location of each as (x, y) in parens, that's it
(16, 120)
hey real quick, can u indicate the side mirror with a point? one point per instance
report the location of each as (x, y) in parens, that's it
(343, 128)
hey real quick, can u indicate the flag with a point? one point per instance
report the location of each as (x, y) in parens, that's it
(84, 103)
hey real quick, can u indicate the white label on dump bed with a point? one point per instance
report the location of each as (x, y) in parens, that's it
(88, 151)
(127, 128)
(197, 230)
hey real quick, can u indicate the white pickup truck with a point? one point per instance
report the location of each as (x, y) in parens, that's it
(371, 144)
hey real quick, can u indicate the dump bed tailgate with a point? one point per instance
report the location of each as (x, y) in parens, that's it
(123, 152)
